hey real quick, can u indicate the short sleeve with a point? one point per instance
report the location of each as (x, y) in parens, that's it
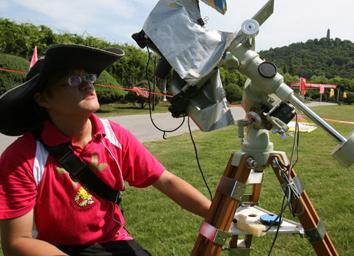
(18, 190)
(140, 167)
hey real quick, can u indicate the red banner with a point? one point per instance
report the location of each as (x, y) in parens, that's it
(302, 86)
(34, 57)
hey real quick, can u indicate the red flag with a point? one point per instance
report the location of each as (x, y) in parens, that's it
(302, 86)
(34, 57)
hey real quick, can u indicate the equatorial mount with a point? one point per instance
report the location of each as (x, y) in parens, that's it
(265, 82)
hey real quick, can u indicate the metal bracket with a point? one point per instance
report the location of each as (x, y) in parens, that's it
(231, 188)
(217, 236)
(221, 237)
(294, 184)
(316, 234)
(297, 183)
(255, 178)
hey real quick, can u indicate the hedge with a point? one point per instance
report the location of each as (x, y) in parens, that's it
(233, 92)
(108, 95)
(8, 79)
(349, 99)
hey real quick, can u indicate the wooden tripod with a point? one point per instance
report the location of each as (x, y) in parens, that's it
(214, 230)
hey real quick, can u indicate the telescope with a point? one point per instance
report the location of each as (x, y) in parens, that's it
(175, 30)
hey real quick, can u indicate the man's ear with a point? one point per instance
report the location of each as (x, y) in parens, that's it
(41, 98)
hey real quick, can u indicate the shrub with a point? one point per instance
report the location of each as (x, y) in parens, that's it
(233, 92)
(349, 99)
(108, 95)
(11, 62)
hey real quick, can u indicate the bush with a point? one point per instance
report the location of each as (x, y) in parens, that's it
(108, 95)
(11, 62)
(349, 99)
(233, 92)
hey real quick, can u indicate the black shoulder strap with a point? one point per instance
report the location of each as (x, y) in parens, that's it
(80, 172)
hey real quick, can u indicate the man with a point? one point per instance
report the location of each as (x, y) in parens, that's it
(55, 107)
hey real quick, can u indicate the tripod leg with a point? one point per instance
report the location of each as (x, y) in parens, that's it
(251, 199)
(308, 216)
(223, 207)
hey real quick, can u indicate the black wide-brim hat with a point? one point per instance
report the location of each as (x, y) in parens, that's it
(18, 111)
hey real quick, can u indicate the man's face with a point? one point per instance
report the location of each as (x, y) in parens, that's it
(72, 94)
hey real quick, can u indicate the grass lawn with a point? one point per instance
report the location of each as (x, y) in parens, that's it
(114, 109)
(165, 229)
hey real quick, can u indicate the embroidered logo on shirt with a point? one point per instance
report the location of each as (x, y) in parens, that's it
(83, 198)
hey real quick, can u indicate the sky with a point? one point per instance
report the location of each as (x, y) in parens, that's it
(115, 20)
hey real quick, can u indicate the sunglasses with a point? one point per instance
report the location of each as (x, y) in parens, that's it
(76, 80)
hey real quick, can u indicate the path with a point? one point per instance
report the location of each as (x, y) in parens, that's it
(142, 128)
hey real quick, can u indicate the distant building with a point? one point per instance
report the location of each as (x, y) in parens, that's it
(328, 34)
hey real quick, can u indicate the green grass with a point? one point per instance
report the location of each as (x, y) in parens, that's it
(166, 229)
(115, 109)
(338, 112)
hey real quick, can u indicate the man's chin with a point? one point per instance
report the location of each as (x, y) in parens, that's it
(95, 109)
(91, 108)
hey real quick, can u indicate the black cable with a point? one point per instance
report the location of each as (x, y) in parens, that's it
(295, 149)
(149, 102)
(280, 217)
(197, 158)
(175, 129)
(293, 163)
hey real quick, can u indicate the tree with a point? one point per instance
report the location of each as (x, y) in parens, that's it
(288, 79)
(324, 57)
(321, 59)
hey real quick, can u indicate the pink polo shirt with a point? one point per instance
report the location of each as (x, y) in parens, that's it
(64, 212)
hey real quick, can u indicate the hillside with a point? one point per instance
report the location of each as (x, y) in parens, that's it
(319, 57)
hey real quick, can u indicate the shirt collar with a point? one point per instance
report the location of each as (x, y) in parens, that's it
(51, 136)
